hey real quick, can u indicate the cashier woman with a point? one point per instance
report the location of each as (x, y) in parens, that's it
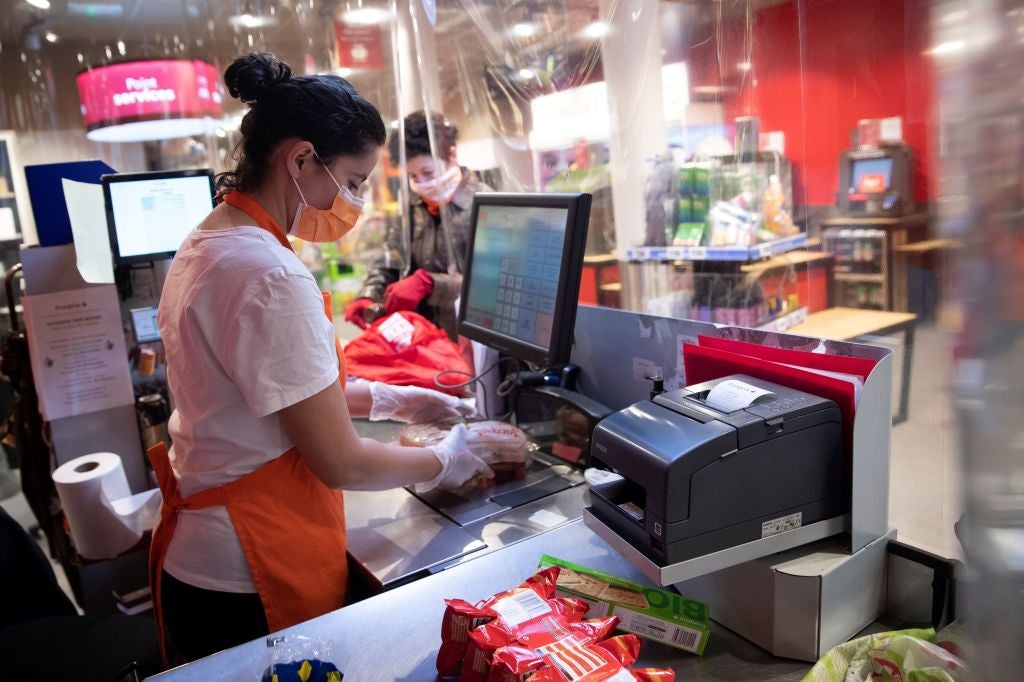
(252, 531)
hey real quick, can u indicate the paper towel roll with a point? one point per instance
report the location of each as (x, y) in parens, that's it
(104, 517)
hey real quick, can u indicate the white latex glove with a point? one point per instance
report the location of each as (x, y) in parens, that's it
(458, 464)
(413, 404)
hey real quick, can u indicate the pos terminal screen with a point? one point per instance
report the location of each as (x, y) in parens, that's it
(150, 214)
(517, 261)
(863, 168)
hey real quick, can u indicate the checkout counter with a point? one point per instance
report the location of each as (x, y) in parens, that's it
(396, 635)
(421, 556)
(395, 537)
(710, 497)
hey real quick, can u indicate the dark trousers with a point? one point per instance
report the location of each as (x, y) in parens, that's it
(202, 622)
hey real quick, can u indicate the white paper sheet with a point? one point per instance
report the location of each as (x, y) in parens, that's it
(79, 359)
(8, 229)
(733, 395)
(858, 384)
(89, 229)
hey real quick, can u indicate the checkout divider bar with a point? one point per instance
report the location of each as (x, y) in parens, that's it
(709, 563)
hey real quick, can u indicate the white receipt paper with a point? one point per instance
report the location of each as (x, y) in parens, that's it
(732, 395)
(89, 230)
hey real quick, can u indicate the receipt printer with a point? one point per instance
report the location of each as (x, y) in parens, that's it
(719, 464)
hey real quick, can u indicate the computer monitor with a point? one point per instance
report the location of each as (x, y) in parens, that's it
(876, 181)
(871, 175)
(144, 324)
(150, 214)
(522, 277)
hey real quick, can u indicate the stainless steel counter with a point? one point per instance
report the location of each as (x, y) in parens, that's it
(395, 635)
(394, 537)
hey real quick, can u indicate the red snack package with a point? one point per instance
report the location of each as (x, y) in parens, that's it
(606, 660)
(653, 674)
(515, 662)
(521, 613)
(460, 617)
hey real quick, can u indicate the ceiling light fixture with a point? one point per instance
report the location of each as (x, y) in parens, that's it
(744, 66)
(366, 16)
(39, 4)
(524, 30)
(51, 37)
(597, 29)
(250, 20)
(93, 10)
(949, 47)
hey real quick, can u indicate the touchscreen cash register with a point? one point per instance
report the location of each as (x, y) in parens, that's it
(150, 214)
(520, 288)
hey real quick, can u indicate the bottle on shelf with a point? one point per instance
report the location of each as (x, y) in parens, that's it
(869, 256)
(858, 254)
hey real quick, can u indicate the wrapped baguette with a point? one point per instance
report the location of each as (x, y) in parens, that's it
(501, 445)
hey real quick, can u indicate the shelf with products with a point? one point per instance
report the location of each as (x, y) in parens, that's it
(867, 273)
(848, 277)
(742, 254)
(784, 321)
(772, 297)
(718, 209)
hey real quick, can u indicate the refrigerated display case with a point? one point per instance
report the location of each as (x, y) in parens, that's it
(867, 273)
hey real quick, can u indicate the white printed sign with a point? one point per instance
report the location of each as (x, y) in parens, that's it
(79, 359)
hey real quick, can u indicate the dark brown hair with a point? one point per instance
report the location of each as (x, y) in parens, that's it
(323, 109)
(417, 137)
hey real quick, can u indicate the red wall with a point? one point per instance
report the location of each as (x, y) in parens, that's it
(821, 65)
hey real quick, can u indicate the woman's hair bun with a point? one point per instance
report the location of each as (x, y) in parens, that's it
(251, 77)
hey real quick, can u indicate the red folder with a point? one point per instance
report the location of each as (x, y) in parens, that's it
(860, 367)
(704, 363)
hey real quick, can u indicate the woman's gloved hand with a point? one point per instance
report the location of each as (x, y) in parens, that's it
(458, 464)
(406, 294)
(413, 404)
(355, 311)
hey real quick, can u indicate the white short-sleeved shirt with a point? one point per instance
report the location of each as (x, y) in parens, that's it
(245, 333)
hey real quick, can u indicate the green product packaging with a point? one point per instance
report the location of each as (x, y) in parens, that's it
(701, 181)
(689, 234)
(685, 209)
(685, 180)
(699, 208)
(650, 612)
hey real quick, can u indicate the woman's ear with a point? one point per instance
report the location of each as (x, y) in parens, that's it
(298, 156)
(452, 156)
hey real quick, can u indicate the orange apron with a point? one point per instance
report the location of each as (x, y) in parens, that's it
(290, 525)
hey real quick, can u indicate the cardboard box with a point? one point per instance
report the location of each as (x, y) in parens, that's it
(802, 602)
(650, 612)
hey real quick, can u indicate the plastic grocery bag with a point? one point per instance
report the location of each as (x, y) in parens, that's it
(898, 656)
(405, 349)
(296, 658)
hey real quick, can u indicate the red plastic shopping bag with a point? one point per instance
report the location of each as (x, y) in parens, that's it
(405, 349)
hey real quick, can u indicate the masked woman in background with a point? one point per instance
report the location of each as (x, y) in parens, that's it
(252, 531)
(440, 210)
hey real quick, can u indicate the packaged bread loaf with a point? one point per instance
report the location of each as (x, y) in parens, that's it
(500, 445)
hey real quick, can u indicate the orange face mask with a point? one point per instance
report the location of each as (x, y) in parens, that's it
(317, 225)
